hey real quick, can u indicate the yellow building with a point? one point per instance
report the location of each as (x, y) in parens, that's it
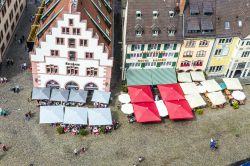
(194, 54)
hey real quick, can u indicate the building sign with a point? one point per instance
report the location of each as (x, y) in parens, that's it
(142, 60)
(159, 60)
(155, 51)
(72, 64)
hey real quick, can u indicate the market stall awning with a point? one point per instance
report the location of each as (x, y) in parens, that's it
(211, 85)
(184, 77)
(151, 76)
(76, 115)
(124, 98)
(197, 76)
(59, 95)
(127, 109)
(51, 114)
(140, 94)
(162, 109)
(195, 100)
(99, 116)
(189, 88)
(146, 112)
(79, 96)
(40, 93)
(171, 92)
(101, 97)
(216, 98)
(178, 110)
(232, 83)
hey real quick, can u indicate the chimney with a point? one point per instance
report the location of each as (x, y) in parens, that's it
(182, 7)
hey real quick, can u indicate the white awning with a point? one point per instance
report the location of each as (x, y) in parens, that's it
(217, 98)
(127, 108)
(124, 98)
(99, 116)
(233, 83)
(101, 96)
(211, 85)
(51, 114)
(162, 109)
(195, 100)
(197, 76)
(184, 77)
(189, 88)
(76, 115)
(201, 89)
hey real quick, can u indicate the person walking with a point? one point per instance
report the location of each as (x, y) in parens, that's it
(213, 144)
(75, 152)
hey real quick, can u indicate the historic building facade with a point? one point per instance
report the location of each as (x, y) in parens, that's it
(74, 50)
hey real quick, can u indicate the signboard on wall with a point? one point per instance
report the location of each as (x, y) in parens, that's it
(72, 64)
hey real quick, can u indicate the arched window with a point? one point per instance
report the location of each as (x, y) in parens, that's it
(53, 84)
(71, 85)
(90, 86)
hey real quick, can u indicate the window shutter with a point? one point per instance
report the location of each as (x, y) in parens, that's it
(160, 55)
(158, 64)
(128, 56)
(144, 55)
(166, 46)
(143, 65)
(175, 45)
(159, 47)
(132, 47)
(149, 46)
(176, 54)
(142, 47)
(173, 64)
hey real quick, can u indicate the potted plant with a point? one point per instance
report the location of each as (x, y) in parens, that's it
(199, 111)
(60, 130)
(235, 105)
(83, 132)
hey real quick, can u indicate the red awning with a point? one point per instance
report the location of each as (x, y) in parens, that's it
(146, 112)
(179, 109)
(140, 94)
(171, 92)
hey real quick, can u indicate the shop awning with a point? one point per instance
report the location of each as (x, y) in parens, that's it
(178, 110)
(195, 100)
(59, 95)
(76, 115)
(211, 85)
(233, 83)
(79, 96)
(150, 76)
(184, 77)
(99, 116)
(40, 93)
(216, 98)
(101, 97)
(171, 92)
(51, 114)
(197, 76)
(140, 94)
(146, 112)
(189, 88)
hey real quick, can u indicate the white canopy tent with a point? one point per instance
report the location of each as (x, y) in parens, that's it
(201, 89)
(195, 100)
(197, 76)
(127, 109)
(238, 95)
(217, 98)
(162, 109)
(76, 115)
(101, 96)
(124, 98)
(189, 88)
(184, 77)
(233, 83)
(211, 85)
(99, 116)
(51, 114)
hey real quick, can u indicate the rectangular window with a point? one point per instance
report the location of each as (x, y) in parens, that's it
(203, 43)
(51, 69)
(89, 55)
(83, 42)
(190, 44)
(54, 52)
(225, 40)
(65, 30)
(71, 22)
(215, 69)
(154, 46)
(59, 41)
(72, 70)
(245, 54)
(76, 31)
(91, 71)
(188, 54)
(72, 55)
(201, 53)
(218, 52)
(185, 63)
(71, 43)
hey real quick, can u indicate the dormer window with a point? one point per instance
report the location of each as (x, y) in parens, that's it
(138, 30)
(155, 14)
(240, 23)
(155, 32)
(138, 33)
(171, 32)
(138, 14)
(171, 14)
(227, 25)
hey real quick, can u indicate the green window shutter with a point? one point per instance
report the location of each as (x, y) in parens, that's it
(166, 46)
(159, 47)
(128, 56)
(142, 47)
(173, 64)
(132, 47)
(160, 55)
(149, 46)
(143, 65)
(175, 45)
(158, 64)
(144, 55)
(176, 54)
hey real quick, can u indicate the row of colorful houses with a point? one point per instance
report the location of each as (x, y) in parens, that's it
(211, 36)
